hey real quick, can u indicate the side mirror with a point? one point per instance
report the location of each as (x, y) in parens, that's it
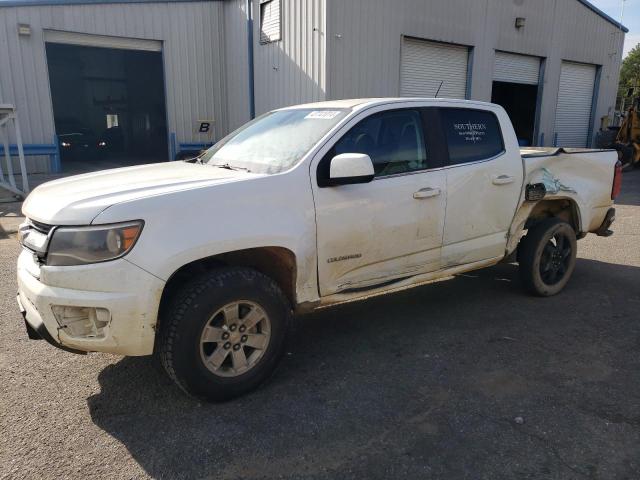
(350, 168)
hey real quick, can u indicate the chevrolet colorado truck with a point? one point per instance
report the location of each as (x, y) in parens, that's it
(205, 262)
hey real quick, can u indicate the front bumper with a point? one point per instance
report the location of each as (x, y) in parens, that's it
(41, 332)
(129, 294)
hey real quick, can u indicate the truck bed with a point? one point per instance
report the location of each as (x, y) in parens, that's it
(581, 174)
(530, 152)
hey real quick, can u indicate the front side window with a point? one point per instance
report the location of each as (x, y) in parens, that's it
(274, 142)
(394, 141)
(471, 135)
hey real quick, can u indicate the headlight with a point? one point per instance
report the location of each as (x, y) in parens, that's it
(66, 144)
(102, 144)
(33, 239)
(82, 245)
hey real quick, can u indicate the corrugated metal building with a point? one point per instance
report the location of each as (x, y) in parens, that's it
(552, 63)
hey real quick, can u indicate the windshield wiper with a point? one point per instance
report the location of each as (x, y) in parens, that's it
(196, 159)
(228, 166)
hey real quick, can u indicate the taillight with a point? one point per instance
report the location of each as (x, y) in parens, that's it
(617, 181)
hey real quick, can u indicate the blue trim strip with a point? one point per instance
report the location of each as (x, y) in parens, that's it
(39, 149)
(56, 166)
(252, 96)
(172, 146)
(32, 149)
(536, 121)
(597, 11)
(26, 3)
(468, 90)
(32, 3)
(594, 107)
(193, 146)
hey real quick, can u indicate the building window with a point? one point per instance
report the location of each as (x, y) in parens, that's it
(112, 120)
(269, 21)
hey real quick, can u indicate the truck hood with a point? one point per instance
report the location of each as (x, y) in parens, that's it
(77, 200)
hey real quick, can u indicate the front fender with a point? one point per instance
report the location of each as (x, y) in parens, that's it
(186, 226)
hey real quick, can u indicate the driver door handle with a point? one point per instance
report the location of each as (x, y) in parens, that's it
(502, 179)
(427, 192)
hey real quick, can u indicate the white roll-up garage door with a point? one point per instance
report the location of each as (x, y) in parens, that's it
(513, 68)
(102, 41)
(425, 64)
(573, 111)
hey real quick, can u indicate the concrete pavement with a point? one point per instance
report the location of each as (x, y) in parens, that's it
(466, 378)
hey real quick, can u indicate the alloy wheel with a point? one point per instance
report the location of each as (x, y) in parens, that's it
(235, 338)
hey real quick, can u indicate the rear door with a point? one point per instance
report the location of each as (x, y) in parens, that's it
(484, 180)
(391, 228)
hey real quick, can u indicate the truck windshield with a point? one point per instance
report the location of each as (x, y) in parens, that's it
(274, 142)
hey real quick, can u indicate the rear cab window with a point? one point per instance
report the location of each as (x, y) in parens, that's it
(471, 135)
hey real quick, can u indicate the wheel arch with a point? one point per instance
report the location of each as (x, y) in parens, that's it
(278, 263)
(530, 214)
(565, 208)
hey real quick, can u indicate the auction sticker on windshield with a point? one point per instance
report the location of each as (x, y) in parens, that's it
(323, 114)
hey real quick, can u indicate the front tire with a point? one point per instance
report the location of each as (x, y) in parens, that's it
(224, 333)
(548, 257)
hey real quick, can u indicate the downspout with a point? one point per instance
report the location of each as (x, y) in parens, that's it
(252, 99)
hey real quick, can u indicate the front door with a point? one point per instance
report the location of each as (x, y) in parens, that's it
(388, 229)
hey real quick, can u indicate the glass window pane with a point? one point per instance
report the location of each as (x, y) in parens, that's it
(394, 140)
(274, 142)
(471, 135)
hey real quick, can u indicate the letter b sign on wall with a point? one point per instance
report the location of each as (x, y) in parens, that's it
(204, 127)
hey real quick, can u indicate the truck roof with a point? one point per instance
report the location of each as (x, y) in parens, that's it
(359, 103)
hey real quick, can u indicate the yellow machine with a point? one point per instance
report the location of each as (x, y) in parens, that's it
(628, 139)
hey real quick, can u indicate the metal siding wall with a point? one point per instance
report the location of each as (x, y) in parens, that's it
(192, 35)
(364, 43)
(424, 65)
(364, 39)
(291, 70)
(236, 63)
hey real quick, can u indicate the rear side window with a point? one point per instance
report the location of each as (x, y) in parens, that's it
(471, 135)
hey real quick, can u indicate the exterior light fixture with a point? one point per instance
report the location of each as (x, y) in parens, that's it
(520, 22)
(24, 29)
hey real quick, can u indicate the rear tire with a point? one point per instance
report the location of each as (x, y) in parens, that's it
(547, 257)
(223, 334)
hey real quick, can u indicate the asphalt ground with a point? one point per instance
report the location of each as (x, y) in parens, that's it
(465, 378)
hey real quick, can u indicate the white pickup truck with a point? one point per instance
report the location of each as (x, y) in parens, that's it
(205, 261)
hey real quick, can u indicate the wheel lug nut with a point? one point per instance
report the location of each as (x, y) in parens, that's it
(232, 327)
(242, 328)
(227, 346)
(225, 335)
(243, 339)
(236, 346)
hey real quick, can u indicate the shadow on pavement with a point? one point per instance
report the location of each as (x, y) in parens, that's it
(424, 383)
(630, 194)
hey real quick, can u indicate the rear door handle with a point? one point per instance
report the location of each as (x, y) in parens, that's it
(502, 179)
(427, 192)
